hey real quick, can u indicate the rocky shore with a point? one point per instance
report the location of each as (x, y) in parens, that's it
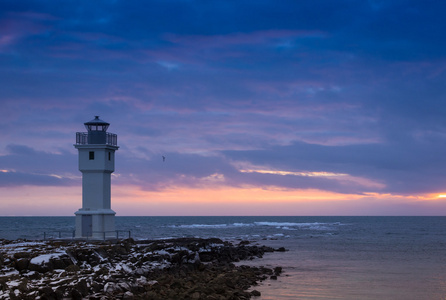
(185, 268)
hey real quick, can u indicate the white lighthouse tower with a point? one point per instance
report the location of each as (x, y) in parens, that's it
(96, 219)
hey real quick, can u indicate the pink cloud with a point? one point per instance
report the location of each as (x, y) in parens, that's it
(17, 26)
(7, 40)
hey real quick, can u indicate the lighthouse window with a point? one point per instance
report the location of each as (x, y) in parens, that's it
(91, 155)
(109, 155)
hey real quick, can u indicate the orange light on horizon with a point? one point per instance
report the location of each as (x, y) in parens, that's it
(227, 194)
(225, 200)
(218, 199)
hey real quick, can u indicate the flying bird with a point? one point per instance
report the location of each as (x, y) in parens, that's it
(164, 158)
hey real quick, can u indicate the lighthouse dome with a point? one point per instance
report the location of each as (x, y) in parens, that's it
(96, 125)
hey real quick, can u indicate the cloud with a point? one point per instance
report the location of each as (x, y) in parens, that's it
(395, 167)
(23, 165)
(12, 179)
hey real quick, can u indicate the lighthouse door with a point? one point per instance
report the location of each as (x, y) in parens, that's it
(87, 224)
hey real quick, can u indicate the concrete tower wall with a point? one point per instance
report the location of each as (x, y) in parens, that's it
(96, 190)
(103, 158)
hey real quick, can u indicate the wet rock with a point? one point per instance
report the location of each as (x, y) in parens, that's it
(243, 243)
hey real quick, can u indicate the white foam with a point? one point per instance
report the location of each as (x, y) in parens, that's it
(201, 226)
(214, 225)
(242, 225)
(295, 226)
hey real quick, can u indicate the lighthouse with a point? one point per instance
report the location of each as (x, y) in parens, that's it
(96, 219)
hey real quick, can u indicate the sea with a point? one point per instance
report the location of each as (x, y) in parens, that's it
(327, 257)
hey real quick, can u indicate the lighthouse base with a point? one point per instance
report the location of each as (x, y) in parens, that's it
(98, 224)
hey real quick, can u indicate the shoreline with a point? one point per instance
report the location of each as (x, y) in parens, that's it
(182, 268)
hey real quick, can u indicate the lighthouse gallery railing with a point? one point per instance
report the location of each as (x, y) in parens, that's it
(110, 138)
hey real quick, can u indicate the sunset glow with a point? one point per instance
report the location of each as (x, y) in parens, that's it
(309, 174)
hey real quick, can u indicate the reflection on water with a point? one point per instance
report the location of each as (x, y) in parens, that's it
(361, 264)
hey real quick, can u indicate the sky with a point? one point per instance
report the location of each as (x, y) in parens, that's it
(260, 107)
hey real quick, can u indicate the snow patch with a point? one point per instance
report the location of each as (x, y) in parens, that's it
(44, 258)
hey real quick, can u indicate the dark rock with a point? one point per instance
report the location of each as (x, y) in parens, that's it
(47, 293)
(41, 268)
(33, 275)
(281, 249)
(60, 262)
(19, 255)
(75, 294)
(22, 264)
(120, 250)
(128, 296)
(267, 271)
(230, 283)
(255, 293)
(60, 292)
(72, 269)
(23, 286)
(81, 286)
(96, 287)
(278, 270)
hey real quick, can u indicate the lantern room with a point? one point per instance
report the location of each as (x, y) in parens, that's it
(97, 131)
(96, 125)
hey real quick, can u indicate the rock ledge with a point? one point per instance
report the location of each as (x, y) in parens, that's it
(186, 268)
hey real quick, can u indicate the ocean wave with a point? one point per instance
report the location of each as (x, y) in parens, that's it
(200, 226)
(212, 225)
(278, 225)
(296, 226)
(242, 225)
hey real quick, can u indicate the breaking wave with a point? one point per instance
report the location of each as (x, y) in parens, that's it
(279, 225)
(299, 226)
